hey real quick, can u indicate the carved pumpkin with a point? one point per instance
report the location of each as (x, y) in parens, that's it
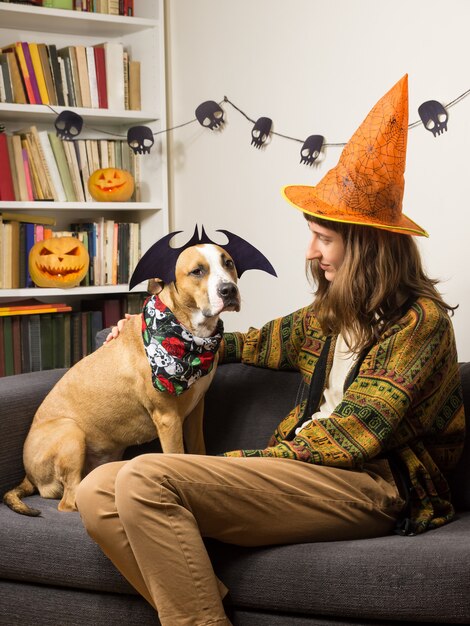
(111, 185)
(58, 262)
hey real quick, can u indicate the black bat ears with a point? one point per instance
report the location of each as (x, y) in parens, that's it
(160, 259)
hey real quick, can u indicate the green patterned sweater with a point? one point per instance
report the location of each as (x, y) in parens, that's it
(404, 400)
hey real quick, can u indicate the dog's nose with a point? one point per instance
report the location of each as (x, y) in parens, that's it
(227, 290)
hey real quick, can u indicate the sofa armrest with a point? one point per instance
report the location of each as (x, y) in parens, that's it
(20, 396)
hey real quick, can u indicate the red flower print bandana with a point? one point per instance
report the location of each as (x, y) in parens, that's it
(177, 358)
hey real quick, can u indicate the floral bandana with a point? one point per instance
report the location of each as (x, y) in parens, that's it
(177, 358)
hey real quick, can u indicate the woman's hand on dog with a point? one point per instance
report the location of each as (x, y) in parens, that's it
(115, 330)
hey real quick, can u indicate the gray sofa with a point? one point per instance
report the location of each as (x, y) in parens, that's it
(52, 573)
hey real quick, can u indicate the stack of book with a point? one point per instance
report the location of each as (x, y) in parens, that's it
(36, 336)
(113, 248)
(101, 76)
(37, 165)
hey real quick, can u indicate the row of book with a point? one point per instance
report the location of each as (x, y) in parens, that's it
(46, 336)
(100, 76)
(37, 165)
(113, 248)
(111, 7)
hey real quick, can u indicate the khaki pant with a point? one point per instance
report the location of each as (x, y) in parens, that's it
(148, 515)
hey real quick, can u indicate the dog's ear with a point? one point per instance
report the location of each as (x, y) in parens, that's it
(154, 286)
(245, 256)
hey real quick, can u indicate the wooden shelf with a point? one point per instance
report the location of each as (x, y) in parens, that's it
(45, 292)
(24, 17)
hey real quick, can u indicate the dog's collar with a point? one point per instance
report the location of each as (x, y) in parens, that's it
(177, 357)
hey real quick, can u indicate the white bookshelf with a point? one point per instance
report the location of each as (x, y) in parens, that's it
(143, 36)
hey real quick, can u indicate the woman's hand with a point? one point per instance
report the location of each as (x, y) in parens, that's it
(115, 330)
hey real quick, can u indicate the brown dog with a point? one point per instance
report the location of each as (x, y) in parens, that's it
(107, 401)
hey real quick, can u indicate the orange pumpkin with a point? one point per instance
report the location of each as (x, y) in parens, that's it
(58, 262)
(111, 185)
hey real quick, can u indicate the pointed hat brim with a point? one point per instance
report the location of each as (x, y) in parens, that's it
(367, 185)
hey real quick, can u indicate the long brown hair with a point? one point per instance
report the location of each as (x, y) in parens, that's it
(381, 272)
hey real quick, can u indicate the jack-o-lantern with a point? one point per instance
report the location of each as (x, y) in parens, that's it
(111, 185)
(58, 262)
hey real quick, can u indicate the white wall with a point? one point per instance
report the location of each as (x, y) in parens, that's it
(315, 67)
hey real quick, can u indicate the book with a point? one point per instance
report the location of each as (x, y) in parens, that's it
(26, 217)
(90, 57)
(14, 174)
(38, 72)
(114, 62)
(27, 173)
(29, 243)
(32, 75)
(35, 343)
(47, 73)
(16, 338)
(58, 340)
(8, 347)
(72, 163)
(56, 74)
(100, 66)
(83, 80)
(80, 149)
(7, 191)
(7, 255)
(26, 364)
(23, 68)
(66, 55)
(15, 255)
(62, 165)
(46, 341)
(20, 171)
(6, 78)
(32, 306)
(134, 86)
(19, 93)
(56, 180)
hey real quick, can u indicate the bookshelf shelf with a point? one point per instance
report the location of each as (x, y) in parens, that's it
(65, 294)
(23, 17)
(80, 206)
(42, 114)
(143, 38)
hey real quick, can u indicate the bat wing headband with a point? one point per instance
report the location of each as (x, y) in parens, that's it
(160, 259)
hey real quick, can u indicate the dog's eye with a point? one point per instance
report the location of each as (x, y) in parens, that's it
(197, 272)
(229, 264)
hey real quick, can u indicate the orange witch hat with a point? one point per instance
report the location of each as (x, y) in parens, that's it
(367, 185)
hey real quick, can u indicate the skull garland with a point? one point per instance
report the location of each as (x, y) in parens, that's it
(68, 125)
(260, 131)
(210, 115)
(140, 139)
(434, 117)
(311, 149)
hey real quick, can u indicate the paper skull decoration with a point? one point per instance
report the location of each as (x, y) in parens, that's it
(58, 262)
(434, 117)
(311, 149)
(68, 125)
(111, 184)
(210, 115)
(260, 131)
(140, 139)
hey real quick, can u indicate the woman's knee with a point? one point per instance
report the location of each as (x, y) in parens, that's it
(95, 493)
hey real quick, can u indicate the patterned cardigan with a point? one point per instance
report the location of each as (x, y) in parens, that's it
(403, 401)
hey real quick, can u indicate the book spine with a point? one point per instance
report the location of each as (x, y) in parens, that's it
(32, 75)
(25, 73)
(38, 72)
(7, 191)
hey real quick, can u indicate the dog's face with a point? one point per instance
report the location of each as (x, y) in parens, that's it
(206, 279)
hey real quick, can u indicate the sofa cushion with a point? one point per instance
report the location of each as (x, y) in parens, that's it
(424, 578)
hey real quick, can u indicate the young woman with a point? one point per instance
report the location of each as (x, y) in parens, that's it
(363, 455)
